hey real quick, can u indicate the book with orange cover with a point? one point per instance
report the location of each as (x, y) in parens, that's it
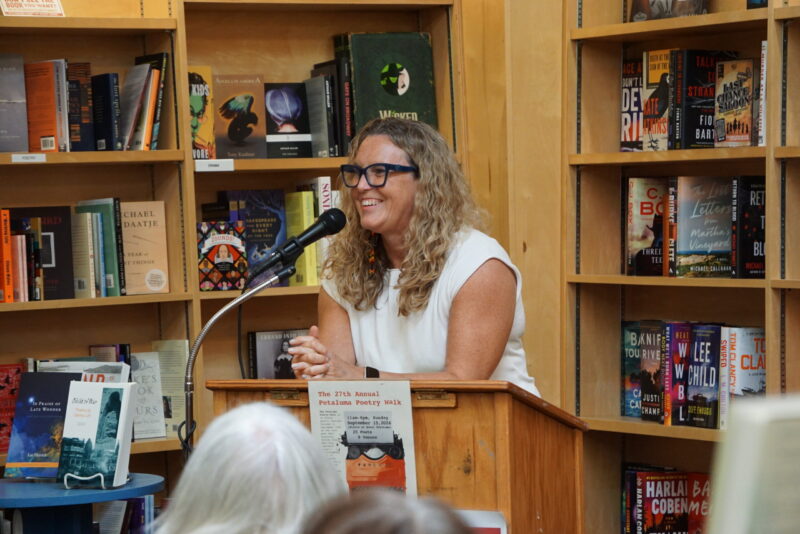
(6, 278)
(40, 93)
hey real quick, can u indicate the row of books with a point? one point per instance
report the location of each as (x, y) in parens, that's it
(156, 377)
(662, 9)
(97, 248)
(58, 106)
(372, 75)
(695, 226)
(678, 99)
(658, 499)
(681, 373)
(241, 229)
(129, 516)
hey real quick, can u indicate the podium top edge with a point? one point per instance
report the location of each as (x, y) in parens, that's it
(455, 386)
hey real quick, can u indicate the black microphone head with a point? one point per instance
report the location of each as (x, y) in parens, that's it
(333, 220)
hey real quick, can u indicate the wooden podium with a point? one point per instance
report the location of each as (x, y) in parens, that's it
(482, 445)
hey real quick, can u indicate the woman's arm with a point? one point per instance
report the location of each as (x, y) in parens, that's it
(480, 321)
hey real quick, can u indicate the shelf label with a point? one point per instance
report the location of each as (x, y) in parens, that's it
(213, 165)
(28, 158)
(31, 8)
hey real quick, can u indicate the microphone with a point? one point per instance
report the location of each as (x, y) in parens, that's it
(330, 222)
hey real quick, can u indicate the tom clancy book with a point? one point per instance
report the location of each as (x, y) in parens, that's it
(221, 255)
(644, 249)
(675, 347)
(661, 502)
(748, 202)
(703, 247)
(288, 127)
(651, 373)
(702, 388)
(631, 367)
(693, 75)
(392, 77)
(747, 361)
(699, 499)
(655, 100)
(631, 116)
(201, 112)
(239, 125)
(662, 9)
(733, 103)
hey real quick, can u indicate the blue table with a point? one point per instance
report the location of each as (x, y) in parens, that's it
(50, 508)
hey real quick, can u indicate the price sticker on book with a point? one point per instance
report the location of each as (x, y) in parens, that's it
(213, 165)
(28, 158)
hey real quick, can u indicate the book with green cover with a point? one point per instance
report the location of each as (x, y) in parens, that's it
(392, 77)
(112, 241)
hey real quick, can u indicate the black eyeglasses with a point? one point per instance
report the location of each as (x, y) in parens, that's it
(375, 174)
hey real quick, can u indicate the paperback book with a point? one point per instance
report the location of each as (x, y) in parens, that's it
(651, 374)
(239, 124)
(221, 255)
(676, 342)
(655, 98)
(269, 356)
(631, 369)
(13, 104)
(644, 250)
(96, 444)
(733, 108)
(702, 387)
(201, 111)
(631, 127)
(10, 376)
(748, 226)
(144, 239)
(288, 127)
(704, 227)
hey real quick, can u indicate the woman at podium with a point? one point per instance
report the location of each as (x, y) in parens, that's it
(412, 288)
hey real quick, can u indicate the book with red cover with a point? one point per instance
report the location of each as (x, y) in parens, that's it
(221, 255)
(9, 389)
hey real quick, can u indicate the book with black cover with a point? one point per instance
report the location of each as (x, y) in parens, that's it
(288, 129)
(392, 77)
(106, 111)
(748, 227)
(81, 119)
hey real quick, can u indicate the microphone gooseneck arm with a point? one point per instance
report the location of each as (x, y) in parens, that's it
(188, 424)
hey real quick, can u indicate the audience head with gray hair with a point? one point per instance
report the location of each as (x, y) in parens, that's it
(256, 470)
(385, 511)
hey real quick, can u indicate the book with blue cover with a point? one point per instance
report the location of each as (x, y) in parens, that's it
(35, 446)
(702, 389)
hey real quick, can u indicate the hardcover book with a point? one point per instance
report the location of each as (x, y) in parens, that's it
(221, 255)
(645, 226)
(631, 369)
(113, 252)
(6, 258)
(323, 196)
(655, 98)
(330, 70)
(268, 351)
(747, 359)
(157, 61)
(650, 374)
(299, 216)
(10, 376)
(702, 388)
(733, 108)
(42, 110)
(55, 248)
(239, 125)
(131, 99)
(201, 111)
(142, 133)
(344, 75)
(81, 115)
(692, 90)
(148, 411)
(704, 227)
(288, 128)
(83, 257)
(35, 445)
(321, 112)
(13, 105)
(392, 77)
(661, 502)
(97, 434)
(106, 111)
(748, 223)
(144, 237)
(676, 340)
(662, 9)
(631, 127)
(699, 497)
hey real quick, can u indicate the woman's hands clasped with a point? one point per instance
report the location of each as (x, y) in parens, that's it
(312, 359)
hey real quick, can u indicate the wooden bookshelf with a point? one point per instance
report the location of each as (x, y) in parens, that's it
(597, 296)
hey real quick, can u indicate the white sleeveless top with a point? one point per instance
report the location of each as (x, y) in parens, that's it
(418, 343)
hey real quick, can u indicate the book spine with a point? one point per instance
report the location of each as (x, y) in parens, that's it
(676, 68)
(6, 269)
(762, 96)
(106, 111)
(724, 377)
(62, 105)
(666, 373)
(671, 243)
(119, 246)
(735, 271)
(159, 103)
(252, 354)
(341, 46)
(330, 112)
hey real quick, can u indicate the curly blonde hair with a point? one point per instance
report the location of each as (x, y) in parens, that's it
(443, 206)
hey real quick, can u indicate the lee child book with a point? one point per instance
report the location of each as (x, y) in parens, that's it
(392, 77)
(201, 112)
(704, 227)
(655, 98)
(733, 108)
(702, 388)
(97, 434)
(645, 220)
(239, 123)
(221, 255)
(631, 127)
